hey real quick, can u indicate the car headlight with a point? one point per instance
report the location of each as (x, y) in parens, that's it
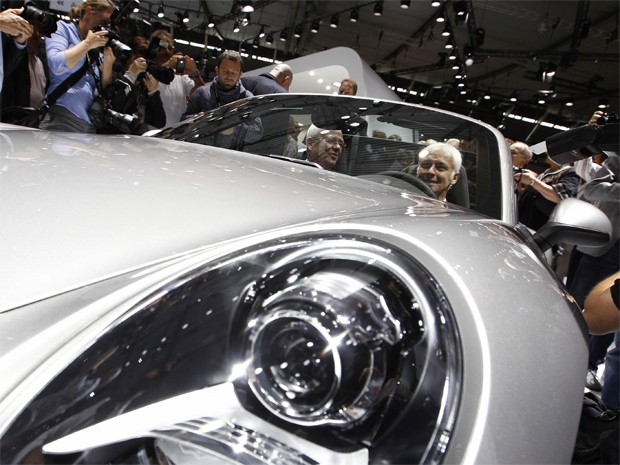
(344, 343)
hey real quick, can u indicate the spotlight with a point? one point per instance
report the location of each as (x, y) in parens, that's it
(469, 60)
(378, 11)
(514, 96)
(602, 103)
(334, 21)
(404, 4)
(160, 11)
(136, 8)
(256, 42)
(245, 21)
(548, 72)
(449, 44)
(246, 6)
(269, 38)
(487, 96)
(542, 100)
(236, 27)
(452, 55)
(298, 31)
(284, 35)
(261, 34)
(355, 15)
(435, 3)
(446, 31)
(211, 22)
(185, 17)
(441, 17)
(570, 102)
(315, 26)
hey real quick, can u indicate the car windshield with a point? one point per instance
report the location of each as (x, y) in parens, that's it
(372, 139)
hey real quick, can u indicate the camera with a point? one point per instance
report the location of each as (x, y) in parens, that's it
(43, 21)
(607, 118)
(121, 51)
(516, 170)
(161, 73)
(180, 67)
(111, 108)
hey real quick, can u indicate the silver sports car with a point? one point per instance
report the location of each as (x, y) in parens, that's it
(210, 294)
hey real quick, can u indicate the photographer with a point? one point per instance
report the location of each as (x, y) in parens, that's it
(186, 80)
(73, 48)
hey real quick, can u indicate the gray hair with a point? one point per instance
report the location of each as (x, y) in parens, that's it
(522, 148)
(282, 68)
(315, 132)
(448, 150)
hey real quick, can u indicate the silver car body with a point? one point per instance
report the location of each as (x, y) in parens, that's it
(91, 226)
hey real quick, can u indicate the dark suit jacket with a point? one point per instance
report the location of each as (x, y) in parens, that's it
(263, 84)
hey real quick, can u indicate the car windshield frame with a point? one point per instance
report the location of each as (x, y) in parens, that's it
(371, 128)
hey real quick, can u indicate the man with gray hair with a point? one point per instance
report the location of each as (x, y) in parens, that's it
(277, 81)
(439, 167)
(521, 154)
(324, 146)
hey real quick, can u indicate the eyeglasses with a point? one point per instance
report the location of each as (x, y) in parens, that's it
(334, 140)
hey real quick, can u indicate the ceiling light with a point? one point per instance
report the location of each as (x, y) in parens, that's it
(334, 21)
(236, 26)
(261, 34)
(246, 6)
(602, 103)
(542, 100)
(452, 55)
(460, 8)
(446, 31)
(378, 11)
(284, 35)
(136, 8)
(315, 26)
(355, 15)
(514, 96)
(487, 96)
(455, 66)
(160, 11)
(449, 44)
(269, 38)
(440, 17)
(185, 17)
(435, 3)
(245, 21)
(404, 4)
(570, 102)
(256, 42)
(211, 22)
(298, 30)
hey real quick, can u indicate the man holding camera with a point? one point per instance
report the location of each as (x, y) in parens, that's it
(186, 80)
(73, 49)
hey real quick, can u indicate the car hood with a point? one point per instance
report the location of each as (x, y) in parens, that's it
(79, 208)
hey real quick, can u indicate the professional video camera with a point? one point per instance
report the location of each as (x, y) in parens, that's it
(579, 143)
(43, 21)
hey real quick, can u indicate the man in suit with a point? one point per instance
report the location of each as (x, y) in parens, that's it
(277, 81)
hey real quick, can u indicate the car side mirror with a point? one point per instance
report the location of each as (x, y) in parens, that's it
(576, 222)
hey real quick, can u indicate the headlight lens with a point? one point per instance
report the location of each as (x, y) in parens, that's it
(343, 341)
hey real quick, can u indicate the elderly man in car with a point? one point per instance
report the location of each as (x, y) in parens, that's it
(439, 167)
(324, 146)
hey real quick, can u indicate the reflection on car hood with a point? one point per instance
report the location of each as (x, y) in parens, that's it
(91, 207)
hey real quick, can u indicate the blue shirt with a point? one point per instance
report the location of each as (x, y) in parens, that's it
(78, 98)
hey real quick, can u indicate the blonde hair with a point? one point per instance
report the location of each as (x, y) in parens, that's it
(96, 5)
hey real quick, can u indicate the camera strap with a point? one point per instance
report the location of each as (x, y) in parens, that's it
(66, 84)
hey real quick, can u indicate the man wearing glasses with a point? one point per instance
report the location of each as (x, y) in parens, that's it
(324, 146)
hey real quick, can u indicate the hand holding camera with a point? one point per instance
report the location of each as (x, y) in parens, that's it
(14, 25)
